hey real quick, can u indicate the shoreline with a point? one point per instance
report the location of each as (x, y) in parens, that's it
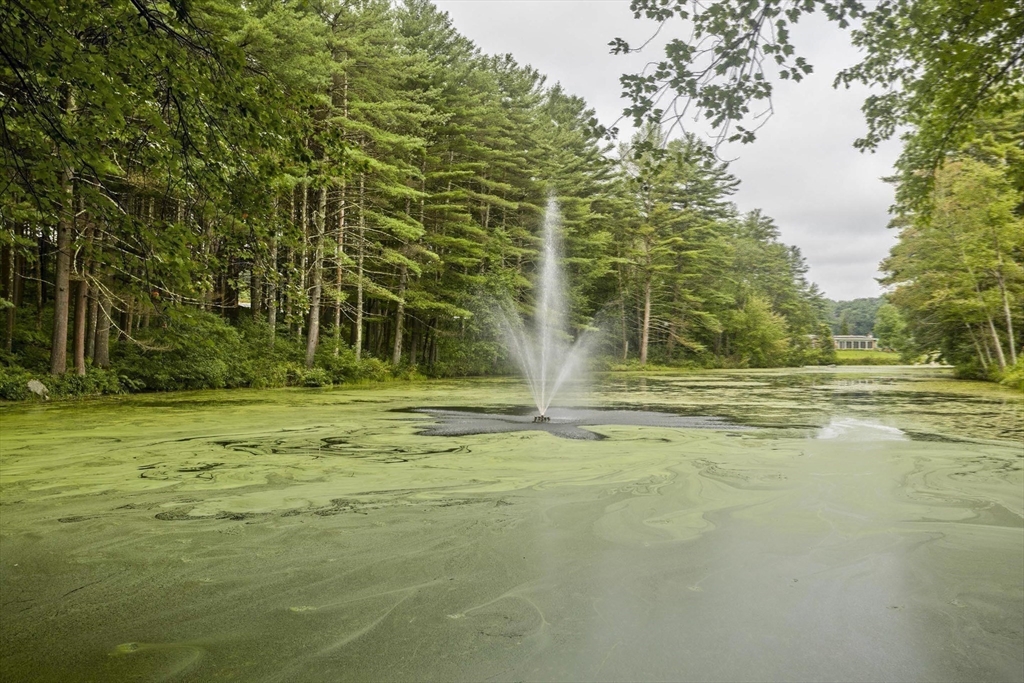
(368, 384)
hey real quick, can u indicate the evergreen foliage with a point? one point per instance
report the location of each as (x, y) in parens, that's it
(947, 75)
(307, 192)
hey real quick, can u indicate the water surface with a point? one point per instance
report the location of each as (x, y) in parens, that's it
(862, 524)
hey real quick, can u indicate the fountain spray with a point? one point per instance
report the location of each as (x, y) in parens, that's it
(544, 354)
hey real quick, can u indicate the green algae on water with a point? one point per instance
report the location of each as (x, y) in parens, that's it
(316, 535)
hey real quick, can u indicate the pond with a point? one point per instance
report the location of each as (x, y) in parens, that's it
(825, 524)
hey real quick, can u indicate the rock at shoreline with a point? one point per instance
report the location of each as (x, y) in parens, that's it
(39, 389)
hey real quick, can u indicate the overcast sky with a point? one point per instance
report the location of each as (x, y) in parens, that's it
(826, 197)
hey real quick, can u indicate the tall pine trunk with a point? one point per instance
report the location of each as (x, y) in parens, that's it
(646, 330)
(62, 278)
(102, 357)
(81, 305)
(304, 254)
(396, 349)
(318, 258)
(8, 270)
(93, 313)
(82, 300)
(272, 282)
(289, 292)
(255, 289)
(414, 342)
(39, 269)
(359, 268)
(90, 330)
(339, 255)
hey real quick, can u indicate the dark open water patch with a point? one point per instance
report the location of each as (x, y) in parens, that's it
(566, 423)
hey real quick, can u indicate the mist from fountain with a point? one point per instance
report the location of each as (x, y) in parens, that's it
(544, 352)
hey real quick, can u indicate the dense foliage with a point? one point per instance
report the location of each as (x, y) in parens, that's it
(958, 268)
(856, 316)
(217, 193)
(934, 65)
(947, 75)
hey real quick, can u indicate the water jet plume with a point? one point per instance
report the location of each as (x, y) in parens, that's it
(543, 353)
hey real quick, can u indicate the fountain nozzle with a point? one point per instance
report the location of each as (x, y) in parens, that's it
(542, 418)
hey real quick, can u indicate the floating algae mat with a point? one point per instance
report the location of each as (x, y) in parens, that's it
(846, 524)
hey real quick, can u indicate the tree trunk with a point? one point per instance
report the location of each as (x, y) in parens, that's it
(20, 266)
(339, 255)
(90, 330)
(8, 269)
(272, 283)
(396, 351)
(304, 253)
(81, 304)
(359, 269)
(231, 296)
(674, 322)
(433, 344)
(255, 289)
(380, 332)
(102, 358)
(988, 316)
(977, 347)
(984, 347)
(1000, 357)
(289, 292)
(40, 283)
(62, 277)
(625, 329)
(1009, 317)
(646, 330)
(414, 342)
(318, 257)
(622, 314)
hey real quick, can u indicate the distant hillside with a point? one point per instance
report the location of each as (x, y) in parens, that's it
(859, 315)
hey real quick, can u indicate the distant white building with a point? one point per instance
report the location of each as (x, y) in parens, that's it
(855, 341)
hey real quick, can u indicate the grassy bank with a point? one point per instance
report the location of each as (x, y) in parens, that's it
(858, 357)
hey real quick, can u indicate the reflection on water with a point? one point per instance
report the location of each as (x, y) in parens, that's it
(923, 401)
(869, 528)
(862, 429)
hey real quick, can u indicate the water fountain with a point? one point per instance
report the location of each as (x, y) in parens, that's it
(544, 353)
(548, 359)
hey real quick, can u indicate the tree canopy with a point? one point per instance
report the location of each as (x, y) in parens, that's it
(219, 193)
(936, 66)
(958, 267)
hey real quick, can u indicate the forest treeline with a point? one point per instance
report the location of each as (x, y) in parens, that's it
(947, 78)
(956, 273)
(856, 316)
(219, 193)
(957, 270)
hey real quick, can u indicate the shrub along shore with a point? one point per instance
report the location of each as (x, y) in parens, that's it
(194, 349)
